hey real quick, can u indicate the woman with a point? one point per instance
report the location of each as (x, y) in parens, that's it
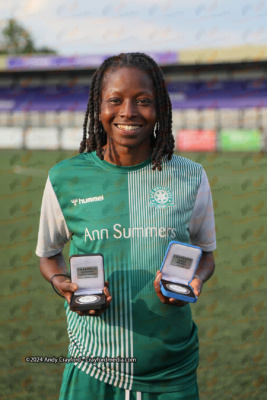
(144, 197)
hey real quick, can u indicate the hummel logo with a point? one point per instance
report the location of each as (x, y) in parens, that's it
(88, 200)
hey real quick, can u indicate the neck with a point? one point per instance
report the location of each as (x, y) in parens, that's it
(126, 156)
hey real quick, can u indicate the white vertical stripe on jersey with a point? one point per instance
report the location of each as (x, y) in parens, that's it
(112, 341)
(108, 345)
(93, 322)
(117, 312)
(131, 335)
(130, 195)
(103, 348)
(99, 353)
(126, 314)
(138, 396)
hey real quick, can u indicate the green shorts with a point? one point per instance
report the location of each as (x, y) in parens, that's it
(77, 385)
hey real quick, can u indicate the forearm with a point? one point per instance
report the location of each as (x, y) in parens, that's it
(206, 266)
(50, 266)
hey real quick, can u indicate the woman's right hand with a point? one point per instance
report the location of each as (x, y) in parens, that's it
(53, 265)
(67, 288)
(64, 286)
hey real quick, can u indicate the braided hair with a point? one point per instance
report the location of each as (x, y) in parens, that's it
(162, 140)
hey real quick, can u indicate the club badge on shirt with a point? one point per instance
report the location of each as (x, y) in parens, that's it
(161, 197)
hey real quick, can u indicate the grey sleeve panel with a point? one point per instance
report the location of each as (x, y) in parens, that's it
(53, 231)
(202, 226)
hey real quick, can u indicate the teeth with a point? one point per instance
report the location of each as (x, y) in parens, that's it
(129, 127)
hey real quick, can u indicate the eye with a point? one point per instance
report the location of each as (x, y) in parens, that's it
(144, 102)
(114, 100)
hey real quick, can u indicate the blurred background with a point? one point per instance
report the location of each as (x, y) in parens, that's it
(214, 58)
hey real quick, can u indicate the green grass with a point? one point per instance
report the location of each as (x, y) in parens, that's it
(229, 313)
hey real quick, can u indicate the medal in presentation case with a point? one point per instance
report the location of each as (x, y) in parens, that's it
(178, 269)
(87, 271)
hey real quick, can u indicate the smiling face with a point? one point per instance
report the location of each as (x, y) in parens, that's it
(128, 111)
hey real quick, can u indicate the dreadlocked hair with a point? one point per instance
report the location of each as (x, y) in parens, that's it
(162, 140)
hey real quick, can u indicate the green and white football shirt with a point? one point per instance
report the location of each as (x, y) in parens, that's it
(130, 214)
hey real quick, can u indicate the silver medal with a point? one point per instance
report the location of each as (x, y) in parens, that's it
(177, 288)
(87, 299)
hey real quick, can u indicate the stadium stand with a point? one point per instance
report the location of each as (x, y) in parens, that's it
(184, 95)
(227, 92)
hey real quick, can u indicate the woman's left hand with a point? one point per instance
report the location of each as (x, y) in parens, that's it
(196, 285)
(164, 299)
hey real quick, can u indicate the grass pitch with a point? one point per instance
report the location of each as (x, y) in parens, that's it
(229, 313)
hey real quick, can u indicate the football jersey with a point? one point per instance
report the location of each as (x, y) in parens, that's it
(130, 215)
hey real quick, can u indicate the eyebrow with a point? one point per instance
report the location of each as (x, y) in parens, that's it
(137, 94)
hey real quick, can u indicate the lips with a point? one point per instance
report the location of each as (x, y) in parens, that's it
(128, 128)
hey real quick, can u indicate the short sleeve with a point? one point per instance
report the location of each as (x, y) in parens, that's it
(202, 226)
(53, 231)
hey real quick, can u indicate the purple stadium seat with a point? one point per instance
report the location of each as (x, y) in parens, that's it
(184, 95)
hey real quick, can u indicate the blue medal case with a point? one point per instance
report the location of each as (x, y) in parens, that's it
(178, 269)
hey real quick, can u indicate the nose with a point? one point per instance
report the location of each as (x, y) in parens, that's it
(128, 109)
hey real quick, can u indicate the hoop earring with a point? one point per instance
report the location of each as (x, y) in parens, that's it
(157, 129)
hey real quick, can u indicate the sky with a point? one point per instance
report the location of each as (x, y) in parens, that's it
(81, 27)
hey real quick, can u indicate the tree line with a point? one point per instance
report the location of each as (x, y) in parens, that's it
(15, 39)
